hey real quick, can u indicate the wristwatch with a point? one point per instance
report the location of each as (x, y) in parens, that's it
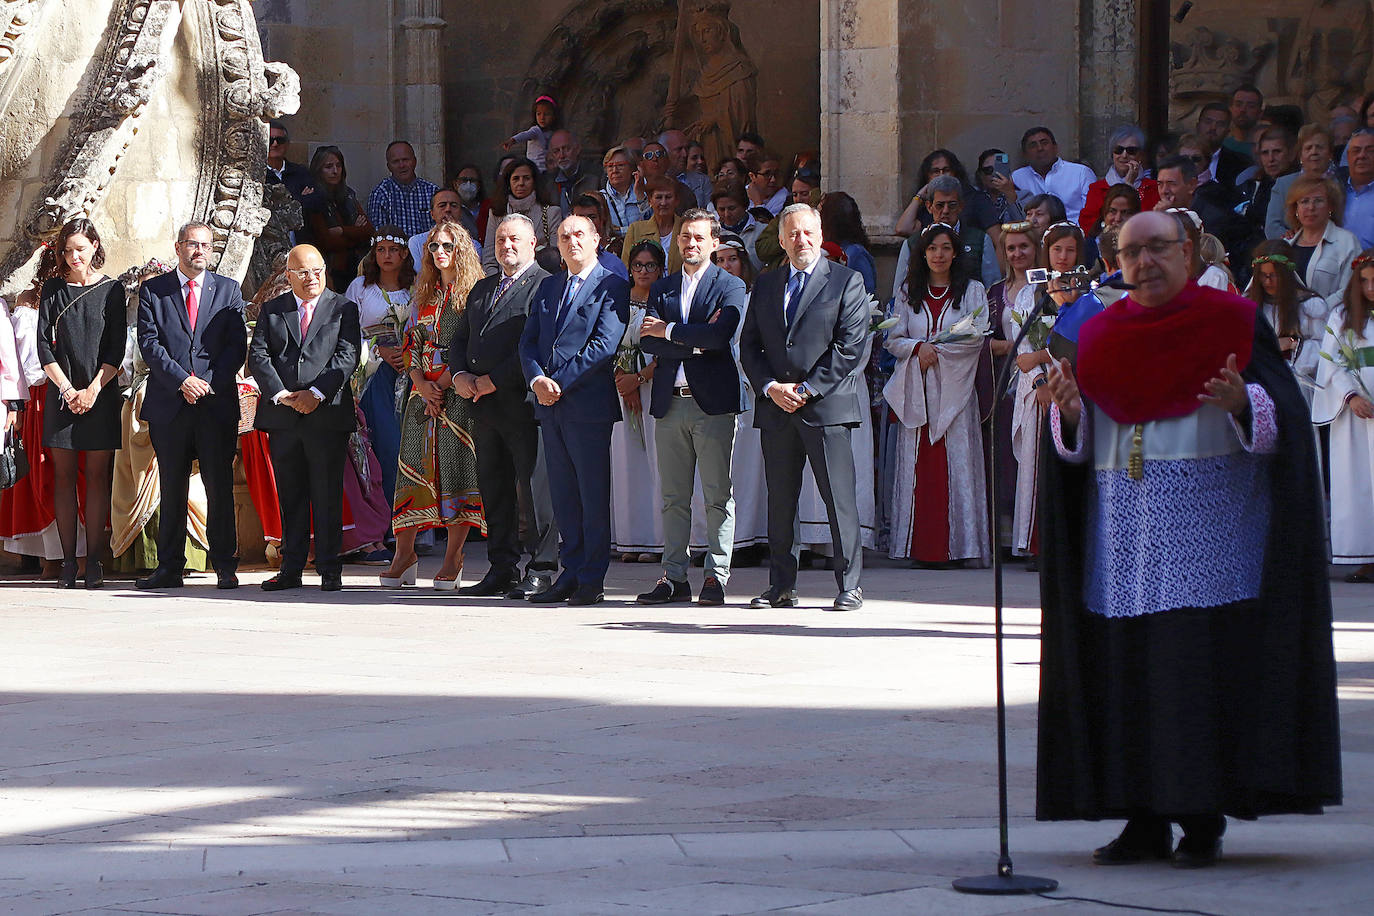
(806, 391)
(1040, 380)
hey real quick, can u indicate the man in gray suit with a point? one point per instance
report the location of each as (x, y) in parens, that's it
(304, 350)
(802, 348)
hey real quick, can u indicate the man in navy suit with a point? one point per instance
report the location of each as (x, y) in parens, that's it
(304, 350)
(802, 348)
(193, 339)
(690, 328)
(576, 321)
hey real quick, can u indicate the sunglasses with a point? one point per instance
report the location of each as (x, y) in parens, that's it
(651, 155)
(277, 141)
(435, 246)
(1126, 151)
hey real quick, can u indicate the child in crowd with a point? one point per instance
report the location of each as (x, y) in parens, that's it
(536, 138)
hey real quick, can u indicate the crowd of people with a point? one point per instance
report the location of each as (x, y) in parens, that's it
(684, 362)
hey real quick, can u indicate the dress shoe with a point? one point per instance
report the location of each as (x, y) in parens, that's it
(1143, 840)
(535, 581)
(712, 592)
(159, 578)
(282, 581)
(555, 594)
(666, 591)
(586, 596)
(851, 599)
(495, 582)
(331, 581)
(776, 598)
(227, 579)
(1200, 846)
(95, 574)
(67, 577)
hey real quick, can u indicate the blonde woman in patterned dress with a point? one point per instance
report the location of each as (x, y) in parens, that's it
(436, 477)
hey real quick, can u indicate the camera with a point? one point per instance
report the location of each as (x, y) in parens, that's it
(1076, 279)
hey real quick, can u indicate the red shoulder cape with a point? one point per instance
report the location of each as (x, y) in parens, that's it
(1141, 364)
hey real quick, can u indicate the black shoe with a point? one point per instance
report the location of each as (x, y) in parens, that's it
(535, 581)
(67, 577)
(1200, 846)
(851, 599)
(712, 592)
(666, 591)
(226, 579)
(331, 581)
(282, 581)
(495, 582)
(1143, 839)
(555, 594)
(1032, 564)
(95, 574)
(587, 595)
(775, 598)
(159, 578)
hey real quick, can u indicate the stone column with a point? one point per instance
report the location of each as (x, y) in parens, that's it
(860, 121)
(419, 81)
(1109, 73)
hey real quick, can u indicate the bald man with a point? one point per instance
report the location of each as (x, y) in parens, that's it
(304, 350)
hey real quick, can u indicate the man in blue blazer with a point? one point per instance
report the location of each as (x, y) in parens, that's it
(690, 328)
(192, 337)
(567, 351)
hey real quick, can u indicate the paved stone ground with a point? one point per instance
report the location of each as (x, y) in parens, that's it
(404, 752)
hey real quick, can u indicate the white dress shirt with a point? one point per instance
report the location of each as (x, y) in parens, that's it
(689, 289)
(301, 307)
(791, 271)
(1069, 181)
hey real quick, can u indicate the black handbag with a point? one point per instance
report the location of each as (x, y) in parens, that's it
(14, 464)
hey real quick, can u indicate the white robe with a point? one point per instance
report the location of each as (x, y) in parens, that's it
(1352, 450)
(636, 499)
(941, 402)
(1026, 419)
(1312, 327)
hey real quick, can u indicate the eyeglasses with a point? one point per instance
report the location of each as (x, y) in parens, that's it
(1156, 247)
(653, 154)
(1312, 202)
(307, 273)
(446, 246)
(766, 173)
(1126, 151)
(644, 268)
(277, 141)
(195, 245)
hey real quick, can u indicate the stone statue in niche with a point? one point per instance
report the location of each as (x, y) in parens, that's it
(1331, 56)
(726, 87)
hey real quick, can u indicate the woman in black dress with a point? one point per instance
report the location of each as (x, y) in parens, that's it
(81, 333)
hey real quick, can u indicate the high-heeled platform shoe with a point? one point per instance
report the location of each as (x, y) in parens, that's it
(448, 585)
(67, 577)
(407, 577)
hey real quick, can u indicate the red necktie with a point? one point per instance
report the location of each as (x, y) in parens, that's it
(192, 305)
(306, 309)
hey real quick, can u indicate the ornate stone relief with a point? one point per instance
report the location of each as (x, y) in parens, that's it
(15, 18)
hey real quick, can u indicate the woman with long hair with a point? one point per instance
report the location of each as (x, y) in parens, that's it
(843, 224)
(335, 222)
(82, 323)
(436, 481)
(1343, 400)
(636, 509)
(1295, 312)
(939, 499)
(521, 191)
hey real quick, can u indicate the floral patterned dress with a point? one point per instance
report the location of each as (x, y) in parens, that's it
(436, 477)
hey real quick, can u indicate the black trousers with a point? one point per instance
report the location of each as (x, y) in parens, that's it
(309, 465)
(197, 433)
(507, 456)
(830, 450)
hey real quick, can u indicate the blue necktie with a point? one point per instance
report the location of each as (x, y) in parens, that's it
(795, 284)
(569, 292)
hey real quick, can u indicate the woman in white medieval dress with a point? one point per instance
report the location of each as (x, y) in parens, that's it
(1343, 399)
(939, 499)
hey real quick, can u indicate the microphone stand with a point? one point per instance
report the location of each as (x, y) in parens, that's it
(1005, 880)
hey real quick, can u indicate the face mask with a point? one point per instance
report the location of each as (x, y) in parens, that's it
(467, 191)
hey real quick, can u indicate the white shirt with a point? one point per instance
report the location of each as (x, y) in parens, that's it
(775, 203)
(301, 306)
(791, 271)
(689, 289)
(582, 277)
(1069, 181)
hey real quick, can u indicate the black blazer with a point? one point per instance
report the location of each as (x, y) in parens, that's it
(212, 351)
(295, 176)
(823, 347)
(578, 352)
(280, 361)
(717, 310)
(487, 342)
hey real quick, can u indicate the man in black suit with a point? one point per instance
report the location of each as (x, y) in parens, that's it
(192, 337)
(690, 329)
(576, 321)
(280, 170)
(304, 350)
(802, 348)
(484, 358)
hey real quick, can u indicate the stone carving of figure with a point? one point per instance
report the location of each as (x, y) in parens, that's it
(1331, 55)
(727, 86)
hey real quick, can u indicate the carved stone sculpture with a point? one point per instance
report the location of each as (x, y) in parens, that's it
(157, 115)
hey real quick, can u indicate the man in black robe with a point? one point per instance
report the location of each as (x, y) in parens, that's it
(1187, 671)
